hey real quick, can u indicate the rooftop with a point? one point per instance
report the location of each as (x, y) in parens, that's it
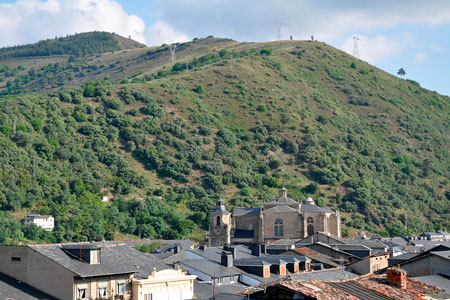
(246, 211)
(118, 259)
(314, 209)
(210, 268)
(13, 289)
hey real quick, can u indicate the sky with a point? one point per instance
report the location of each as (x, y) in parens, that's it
(409, 34)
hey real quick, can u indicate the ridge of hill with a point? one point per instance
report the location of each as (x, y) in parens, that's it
(88, 43)
(238, 120)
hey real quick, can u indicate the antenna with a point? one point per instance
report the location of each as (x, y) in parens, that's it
(280, 24)
(172, 53)
(356, 39)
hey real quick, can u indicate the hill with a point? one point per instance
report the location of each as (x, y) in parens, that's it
(242, 121)
(88, 43)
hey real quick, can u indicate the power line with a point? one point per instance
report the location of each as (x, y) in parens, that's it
(172, 53)
(280, 24)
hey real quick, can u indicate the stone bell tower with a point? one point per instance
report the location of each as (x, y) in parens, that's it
(220, 225)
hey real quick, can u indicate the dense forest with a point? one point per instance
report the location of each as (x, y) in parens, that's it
(77, 45)
(239, 123)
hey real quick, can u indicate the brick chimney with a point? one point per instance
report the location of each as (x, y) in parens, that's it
(397, 276)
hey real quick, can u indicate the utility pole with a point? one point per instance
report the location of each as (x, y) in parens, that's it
(280, 24)
(231, 62)
(187, 67)
(14, 127)
(355, 46)
(172, 53)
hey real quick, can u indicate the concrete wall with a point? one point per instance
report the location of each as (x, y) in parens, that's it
(419, 267)
(370, 265)
(37, 271)
(429, 265)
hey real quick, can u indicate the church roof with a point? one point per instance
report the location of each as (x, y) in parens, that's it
(314, 209)
(283, 200)
(246, 211)
(220, 209)
(282, 208)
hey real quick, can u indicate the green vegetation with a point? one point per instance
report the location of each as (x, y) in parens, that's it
(77, 45)
(306, 117)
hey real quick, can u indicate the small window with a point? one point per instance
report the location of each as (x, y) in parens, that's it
(16, 258)
(310, 220)
(250, 226)
(102, 292)
(82, 293)
(121, 288)
(218, 221)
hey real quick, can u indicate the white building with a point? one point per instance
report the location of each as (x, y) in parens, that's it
(46, 222)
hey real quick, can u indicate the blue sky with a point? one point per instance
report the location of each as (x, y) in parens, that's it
(409, 34)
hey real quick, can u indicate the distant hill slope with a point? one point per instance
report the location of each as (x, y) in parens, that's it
(88, 43)
(236, 120)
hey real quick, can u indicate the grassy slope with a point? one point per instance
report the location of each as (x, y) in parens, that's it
(302, 93)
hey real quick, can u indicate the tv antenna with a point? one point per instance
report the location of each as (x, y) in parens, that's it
(280, 24)
(356, 39)
(172, 53)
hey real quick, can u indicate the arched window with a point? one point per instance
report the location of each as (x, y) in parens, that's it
(310, 227)
(278, 227)
(218, 221)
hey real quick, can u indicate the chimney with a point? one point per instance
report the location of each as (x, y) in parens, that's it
(202, 247)
(283, 193)
(397, 276)
(226, 259)
(258, 250)
(230, 249)
(176, 249)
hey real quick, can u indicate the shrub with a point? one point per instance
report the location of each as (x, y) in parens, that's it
(37, 124)
(265, 51)
(200, 89)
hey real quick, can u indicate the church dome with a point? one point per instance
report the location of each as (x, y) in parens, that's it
(310, 201)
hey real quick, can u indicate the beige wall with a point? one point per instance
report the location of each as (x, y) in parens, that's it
(165, 284)
(291, 224)
(93, 285)
(37, 271)
(219, 235)
(370, 265)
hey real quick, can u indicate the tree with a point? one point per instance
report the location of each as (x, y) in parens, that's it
(401, 72)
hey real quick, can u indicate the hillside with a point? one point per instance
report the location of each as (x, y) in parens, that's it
(88, 43)
(246, 119)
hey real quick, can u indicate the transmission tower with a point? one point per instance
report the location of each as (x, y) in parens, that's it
(172, 53)
(355, 46)
(279, 26)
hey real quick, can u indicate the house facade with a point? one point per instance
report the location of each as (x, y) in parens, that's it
(279, 219)
(46, 222)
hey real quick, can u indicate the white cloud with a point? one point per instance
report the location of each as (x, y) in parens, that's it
(420, 58)
(27, 21)
(161, 33)
(376, 49)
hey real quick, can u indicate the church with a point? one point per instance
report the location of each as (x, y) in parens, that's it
(282, 218)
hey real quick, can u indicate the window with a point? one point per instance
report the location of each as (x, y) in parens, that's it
(278, 227)
(218, 221)
(15, 258)
(310, 220)
(250, 226)
(82, 293)
(121, 288)
(148, 296)
(102, 292)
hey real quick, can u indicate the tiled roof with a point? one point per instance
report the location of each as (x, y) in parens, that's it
(246, 211)
(316, 256)
(209, 267)
(114, 260)
(14, 289)
(314, 209)
(283, 200)
(281, 208)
